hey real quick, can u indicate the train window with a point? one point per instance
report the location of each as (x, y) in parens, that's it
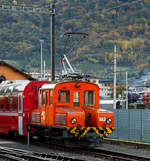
(76, 99)
(14, 104)
(2, 90)
(89, 98)
(51, 97)
(15, 89)
(2, 107)
(43, 98)
(8, 90)
(10, 101)
(7, 106)
(63, 96)
(19, 103)
(1, 104)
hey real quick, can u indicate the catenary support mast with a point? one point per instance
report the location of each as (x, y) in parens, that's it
(114, 102)
(52, 28)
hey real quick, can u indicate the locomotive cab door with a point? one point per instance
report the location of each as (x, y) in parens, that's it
(20, 113)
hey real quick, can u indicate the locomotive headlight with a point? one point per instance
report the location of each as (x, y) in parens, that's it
(73, 120)
(108, 121)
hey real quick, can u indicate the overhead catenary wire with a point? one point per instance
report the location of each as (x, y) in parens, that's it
(64, 57)
(121, 5)
(75, 43)
(106, 10)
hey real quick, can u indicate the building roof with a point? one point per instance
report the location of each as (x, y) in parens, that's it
(142, 83)
(16, 70)
(106, 81)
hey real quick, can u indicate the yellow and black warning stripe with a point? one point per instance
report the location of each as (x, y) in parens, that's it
(81, 132)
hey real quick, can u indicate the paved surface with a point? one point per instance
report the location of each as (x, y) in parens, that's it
(138, 149)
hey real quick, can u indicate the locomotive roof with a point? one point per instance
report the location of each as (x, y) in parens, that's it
(52, 85)
(48, 86)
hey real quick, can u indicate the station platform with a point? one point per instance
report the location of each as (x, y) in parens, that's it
(126, 142)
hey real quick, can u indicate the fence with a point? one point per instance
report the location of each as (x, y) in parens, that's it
(132, 125)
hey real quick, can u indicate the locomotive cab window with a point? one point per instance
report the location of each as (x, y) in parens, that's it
(43, 102)
(89, 98)
(63, 96)
(46, 98)
(51, 97)
(76, 99)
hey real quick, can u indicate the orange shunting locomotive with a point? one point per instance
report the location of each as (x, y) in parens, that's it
(70, 111)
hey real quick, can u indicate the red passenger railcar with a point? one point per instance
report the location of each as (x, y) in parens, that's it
(17, 100)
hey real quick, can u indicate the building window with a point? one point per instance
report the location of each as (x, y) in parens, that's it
(2, 78)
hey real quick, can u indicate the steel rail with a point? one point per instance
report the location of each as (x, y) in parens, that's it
(101, 154)
(23, 155)
(120, 156)
(97, 153)
(11, 157)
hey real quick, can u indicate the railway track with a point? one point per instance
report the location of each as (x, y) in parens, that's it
(82, 154)
(13, 154)
(101, 154)
(113, 156)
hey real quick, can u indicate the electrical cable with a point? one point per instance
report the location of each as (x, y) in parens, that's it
(121, 5)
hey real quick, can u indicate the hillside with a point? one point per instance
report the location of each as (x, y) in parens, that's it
(125, 23)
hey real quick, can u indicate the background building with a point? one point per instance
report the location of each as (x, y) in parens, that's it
(8, 72)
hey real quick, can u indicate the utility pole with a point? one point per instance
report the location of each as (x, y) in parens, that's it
(126, 90)
(41, 58)
(44, 69)
(114, 98)
(52, 38)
